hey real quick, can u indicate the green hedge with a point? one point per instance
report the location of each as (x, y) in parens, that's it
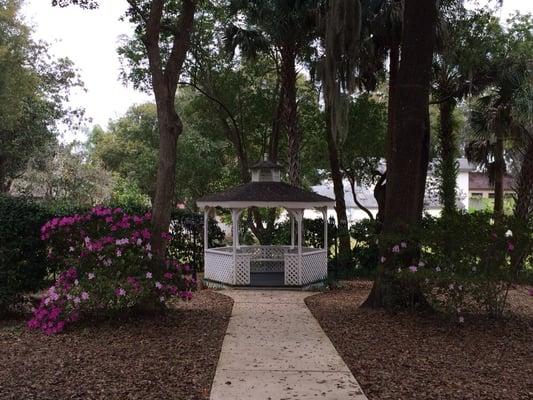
(24, 266)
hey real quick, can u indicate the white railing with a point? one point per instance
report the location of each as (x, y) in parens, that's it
(225, 266)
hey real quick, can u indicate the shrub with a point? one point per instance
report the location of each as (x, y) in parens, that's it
(365, 253)
(464, 262)
(108, 266)
(22, 254)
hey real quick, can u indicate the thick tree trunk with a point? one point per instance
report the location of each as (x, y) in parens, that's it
(164, 84)
(448, 170)
(290, 110)
(344, 258)
(170, 127)
(499, 172)
(409, 151)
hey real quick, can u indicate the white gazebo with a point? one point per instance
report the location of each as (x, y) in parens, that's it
(258, 265)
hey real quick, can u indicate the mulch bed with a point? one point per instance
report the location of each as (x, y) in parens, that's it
(412, 356)
(170, 356)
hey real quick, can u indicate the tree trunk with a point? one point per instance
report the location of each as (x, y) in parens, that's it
(499, 172)
(524, 186)
(409, 151)
(4, 183)
(344, 258)
(290, 111)
(356, 200)
(523, 207)
(448, 170)
(164, 84)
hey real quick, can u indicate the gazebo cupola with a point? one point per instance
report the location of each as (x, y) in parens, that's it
(266, 171)
(265, 265)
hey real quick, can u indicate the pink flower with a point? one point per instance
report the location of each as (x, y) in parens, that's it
(168, 275)
(76, 300)
(158, 285)
(119, 292)
(383, 259)
(90, 275)
(510, 246)
(84, 296)
(149, 275)
(461, 319)
(396, 249)
(413, 268)
(530, 292)
(403, 245)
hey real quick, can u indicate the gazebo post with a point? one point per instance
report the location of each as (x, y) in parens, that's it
(206, 229)
(292, 230)
(299, 221)
(325, 217)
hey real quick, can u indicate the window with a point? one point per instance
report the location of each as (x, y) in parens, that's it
(476, 196)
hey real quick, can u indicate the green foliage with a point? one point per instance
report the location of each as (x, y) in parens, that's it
(462, 262)
(63, 172)
(22, 254)
(34, 89)
(365, 252)
(364, 144)
(24, 266)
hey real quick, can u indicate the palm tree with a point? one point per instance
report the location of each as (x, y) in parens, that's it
(495, 125)
(285, 28)
(460, 69)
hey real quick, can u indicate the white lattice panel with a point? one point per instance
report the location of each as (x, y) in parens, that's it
(219, 267)
(242, 266)
(314, 267)
(291, 269)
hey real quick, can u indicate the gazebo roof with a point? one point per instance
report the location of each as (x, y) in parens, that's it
(265, 194)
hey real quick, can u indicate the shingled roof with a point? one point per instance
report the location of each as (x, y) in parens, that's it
(265, 194)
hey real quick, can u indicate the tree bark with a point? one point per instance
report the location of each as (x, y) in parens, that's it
(344, 258)
(356, 200)
(524, 186)
(499, 172)
(448, 170)
(290, 110)
(409, 151)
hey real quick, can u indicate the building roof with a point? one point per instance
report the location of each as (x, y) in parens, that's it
(265, 164)
(480, 181)
(265, 194)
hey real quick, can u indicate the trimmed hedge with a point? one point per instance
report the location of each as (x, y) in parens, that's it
(24, 266)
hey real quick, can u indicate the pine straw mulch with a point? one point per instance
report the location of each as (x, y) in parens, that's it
(410, 356)
(170, 356)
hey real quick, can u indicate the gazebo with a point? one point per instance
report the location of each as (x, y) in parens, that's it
(265, 265)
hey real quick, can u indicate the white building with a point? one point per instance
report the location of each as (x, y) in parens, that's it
(472, 187)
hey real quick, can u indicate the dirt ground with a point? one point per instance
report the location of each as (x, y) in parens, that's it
(171, 356)
(412, 356)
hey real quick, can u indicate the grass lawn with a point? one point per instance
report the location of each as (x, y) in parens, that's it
(173, 356)
(408, 356)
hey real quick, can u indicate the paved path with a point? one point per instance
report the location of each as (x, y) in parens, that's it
(274, 349)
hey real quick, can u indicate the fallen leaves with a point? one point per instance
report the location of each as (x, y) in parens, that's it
(171, 356)
(412, 356)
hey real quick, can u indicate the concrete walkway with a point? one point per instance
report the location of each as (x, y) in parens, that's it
(274, 349)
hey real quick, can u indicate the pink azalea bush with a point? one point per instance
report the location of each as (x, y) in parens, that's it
(463, 263)
(108, 265)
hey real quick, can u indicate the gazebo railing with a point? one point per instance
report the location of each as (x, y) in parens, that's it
(225, 266)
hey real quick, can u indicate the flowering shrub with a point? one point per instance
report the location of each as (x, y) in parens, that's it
(461, 263)
(108, 265)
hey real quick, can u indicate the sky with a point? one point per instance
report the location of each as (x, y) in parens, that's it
(90, 39)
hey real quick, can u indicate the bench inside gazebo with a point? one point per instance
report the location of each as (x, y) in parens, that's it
(265, 265)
